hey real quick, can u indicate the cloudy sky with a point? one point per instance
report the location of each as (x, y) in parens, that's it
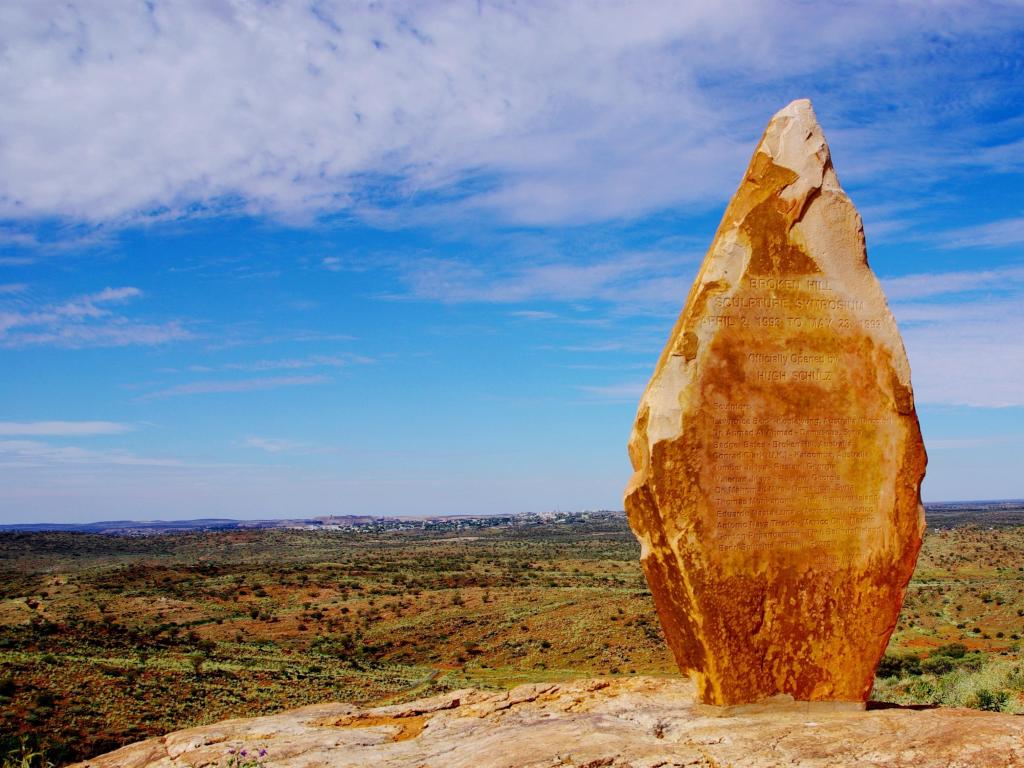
(298, 258)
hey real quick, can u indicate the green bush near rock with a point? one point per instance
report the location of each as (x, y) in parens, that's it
(992, 684)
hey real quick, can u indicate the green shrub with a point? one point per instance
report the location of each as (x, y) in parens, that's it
(197, 659)
(953, 650)
(972, 662)
(898, 665)
(990, 701)
(937, 665)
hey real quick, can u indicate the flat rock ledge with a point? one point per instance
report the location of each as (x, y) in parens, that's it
(644, 722)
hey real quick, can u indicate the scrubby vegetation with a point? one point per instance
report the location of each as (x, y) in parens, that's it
(107, 640)
(958, 639)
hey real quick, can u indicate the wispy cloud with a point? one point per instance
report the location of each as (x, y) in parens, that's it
(31, 243)
(250, 335)
(964, 334)
(275, 445)
(977, 362)
(534, 314)
(628, 391)
(62, 428)
(600, 346)
(957, 443)
(113, 334)
(83, 321)
(643, 280)
(298, 363)
(926, 285)
(993, 234)
(236, 385)
(36, 453)
(337, 360)
(1005, 157)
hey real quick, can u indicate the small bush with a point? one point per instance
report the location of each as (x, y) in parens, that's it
(895, 665)
(953, 650)
(990, 701)
(973, 662)
(937, 665)
(197, 659)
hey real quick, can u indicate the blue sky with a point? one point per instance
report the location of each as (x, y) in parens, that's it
(281, 259)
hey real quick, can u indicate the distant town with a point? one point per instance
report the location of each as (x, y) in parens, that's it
(939, 515)
(358, 523)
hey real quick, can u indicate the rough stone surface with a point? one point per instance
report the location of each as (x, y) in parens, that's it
(777, 454)
(640, 722)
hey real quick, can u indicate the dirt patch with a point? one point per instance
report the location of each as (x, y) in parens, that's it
(409, 726)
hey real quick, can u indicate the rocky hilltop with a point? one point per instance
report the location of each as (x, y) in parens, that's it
(640, 721)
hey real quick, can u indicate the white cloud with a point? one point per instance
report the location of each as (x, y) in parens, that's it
(543, 112)
(957, 443)
(274, 445)
(338, 360)
(298, 363)
(88, 305)
(62, 428)
(629, 391)
(35, 453)
(640, 279)
(236, 385)
(1006, 157)
(993, 234)
(533, 314)
(979, 363)
(84, 321)
(967, 349)
(601, 346)
(925, 285)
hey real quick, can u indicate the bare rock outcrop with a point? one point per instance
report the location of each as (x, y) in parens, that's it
(641, 722)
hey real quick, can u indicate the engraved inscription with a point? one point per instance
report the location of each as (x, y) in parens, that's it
(806, 493)
(781, 507)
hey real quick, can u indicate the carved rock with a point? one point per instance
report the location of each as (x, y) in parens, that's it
(777, 454)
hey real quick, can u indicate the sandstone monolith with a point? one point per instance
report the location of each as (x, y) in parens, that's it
(777, 454)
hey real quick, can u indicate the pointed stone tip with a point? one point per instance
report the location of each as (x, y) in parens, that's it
(794, 139)
(798, 108)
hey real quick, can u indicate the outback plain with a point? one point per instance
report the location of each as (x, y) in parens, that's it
(105, 640)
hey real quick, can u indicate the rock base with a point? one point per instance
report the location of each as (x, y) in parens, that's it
(642, 722)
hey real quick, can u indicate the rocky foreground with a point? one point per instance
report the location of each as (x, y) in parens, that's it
(640, 721)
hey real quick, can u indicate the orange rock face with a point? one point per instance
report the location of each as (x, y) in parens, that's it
(777, 454)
